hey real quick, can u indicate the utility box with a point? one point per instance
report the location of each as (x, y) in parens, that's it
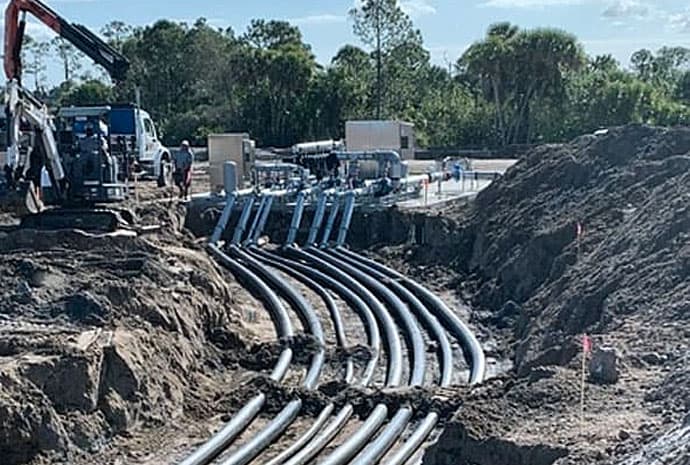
(237, 148)
(381, 135)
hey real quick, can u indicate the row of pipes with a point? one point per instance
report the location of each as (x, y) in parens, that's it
(388, 304)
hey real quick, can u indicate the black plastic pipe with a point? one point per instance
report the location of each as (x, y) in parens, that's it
(277, 426)
(474, 354)
(223, 438)
(354, 444)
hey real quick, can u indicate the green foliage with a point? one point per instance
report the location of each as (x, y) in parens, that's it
(513, 86)
(517, 70)
(91, 92)
(384, 28)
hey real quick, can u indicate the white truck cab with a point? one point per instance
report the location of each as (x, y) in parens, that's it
(129, 129)
(152, 153)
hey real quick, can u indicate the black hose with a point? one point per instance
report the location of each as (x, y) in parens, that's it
(310, 450)
(474, 354)
(334, 313)
(341, 339)
(391, 334)
(377, 449)
(428, 320)
(471, 348)
(354, 444)
(276, 427)
(358, 305)
(223, 438)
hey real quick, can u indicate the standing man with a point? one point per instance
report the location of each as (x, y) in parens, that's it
(183, 160)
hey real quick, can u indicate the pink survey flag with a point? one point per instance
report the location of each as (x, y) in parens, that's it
(586, 344)
(580, 230)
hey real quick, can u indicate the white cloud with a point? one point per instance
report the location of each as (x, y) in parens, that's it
(318, 19)
(416, 8)
(529, 3)
(681, 21)
(627, 9)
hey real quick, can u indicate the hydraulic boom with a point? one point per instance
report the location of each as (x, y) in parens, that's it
(79, 36)
(26, 163)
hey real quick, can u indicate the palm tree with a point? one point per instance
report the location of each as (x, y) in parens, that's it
(517, 67)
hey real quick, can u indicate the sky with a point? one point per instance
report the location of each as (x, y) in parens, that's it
(618, 27)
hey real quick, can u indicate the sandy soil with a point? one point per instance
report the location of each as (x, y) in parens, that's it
(536, 287)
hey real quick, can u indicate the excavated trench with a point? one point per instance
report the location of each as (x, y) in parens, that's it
(536, 287)
(408, 337)
(369, 227)
(110, 317)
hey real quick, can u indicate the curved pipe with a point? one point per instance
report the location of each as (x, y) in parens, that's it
(380, 412)
(318, 443)
(354, 444)
(402, 314)
(276, 427)
(249, 451)
(391, 334)
(306, 442)
(424, 429)
(471, 347)
(296, 300)
(429, 321)
(223, 438)
(414, 441)
(378, 447)
(304, 439)
(290, 269)
(308, 452)
(384, 441)
(474, 354)
(359, 306)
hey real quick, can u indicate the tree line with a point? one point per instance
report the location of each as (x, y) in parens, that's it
(515, 86)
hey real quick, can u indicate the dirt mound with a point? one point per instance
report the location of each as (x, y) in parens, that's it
(100, 335)
(624, 280)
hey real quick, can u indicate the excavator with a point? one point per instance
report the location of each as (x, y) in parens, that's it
(82, 183)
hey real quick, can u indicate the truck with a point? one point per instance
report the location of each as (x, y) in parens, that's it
(130, 132)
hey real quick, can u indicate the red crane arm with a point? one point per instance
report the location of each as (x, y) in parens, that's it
(89, 43)
(14, 31)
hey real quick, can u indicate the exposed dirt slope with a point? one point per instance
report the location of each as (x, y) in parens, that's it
(100, 335)
(530, 278)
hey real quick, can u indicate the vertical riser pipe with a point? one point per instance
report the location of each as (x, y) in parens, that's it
(244, 218)
(296, 220)
(335, 208)
(318, 219)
